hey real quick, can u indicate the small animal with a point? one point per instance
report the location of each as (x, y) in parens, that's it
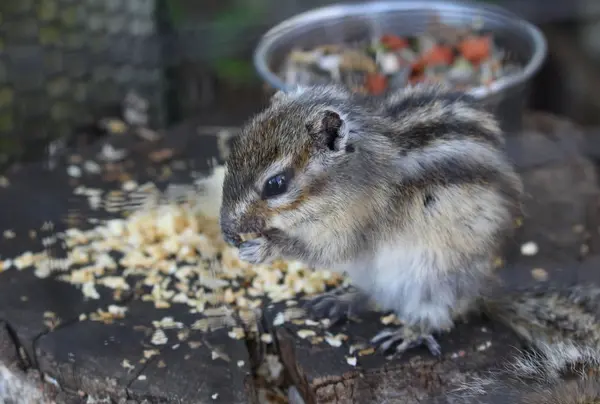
(409, 194)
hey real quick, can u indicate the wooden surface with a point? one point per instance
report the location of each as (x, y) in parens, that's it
(80, 358)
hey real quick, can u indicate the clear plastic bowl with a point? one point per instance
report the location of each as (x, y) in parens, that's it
(345, 22)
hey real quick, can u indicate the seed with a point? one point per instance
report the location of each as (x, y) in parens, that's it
(529, 249)
(306, 333)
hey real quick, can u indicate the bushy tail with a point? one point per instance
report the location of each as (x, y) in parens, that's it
(560, 373)
(551, 316)
(561, 329)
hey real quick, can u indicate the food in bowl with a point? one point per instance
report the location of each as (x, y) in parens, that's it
(463, 57)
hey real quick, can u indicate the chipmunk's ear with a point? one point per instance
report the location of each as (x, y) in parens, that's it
(278, 97)
(328, 130)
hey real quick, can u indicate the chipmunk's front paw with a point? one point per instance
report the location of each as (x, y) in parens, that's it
(405, 338)
(256, 251)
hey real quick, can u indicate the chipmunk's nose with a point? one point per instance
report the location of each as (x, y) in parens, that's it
(231, 228)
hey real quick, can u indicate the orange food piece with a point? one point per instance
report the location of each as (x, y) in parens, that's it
(418, 66)
(393, 42)
(438, 55)
(475, 49)
(416, 79)
(376, 83)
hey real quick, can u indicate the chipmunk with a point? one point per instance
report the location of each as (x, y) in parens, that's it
(411, 195)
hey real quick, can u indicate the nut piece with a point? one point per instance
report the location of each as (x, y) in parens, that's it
(539, 274)
(248, 236)
(306, 333)
(529, 249)
(266, 338)
(159, 337)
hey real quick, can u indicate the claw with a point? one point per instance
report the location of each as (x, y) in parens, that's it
(329, 306)
(335, 305)
(405, 339)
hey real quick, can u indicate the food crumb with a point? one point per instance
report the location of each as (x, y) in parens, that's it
(194, 344)
(240, 364)
(148, 353)
(458, 354)
(539, 274)
(366, 351)
(89, 290)
(117, 311)
(266, 338)
(333, 341)
(5, 265)
(142, 377)
(92, 167)
(484, 346)
(351, 360)
(159, 337)
(236, 333)
(183, 335)
(306, 333)
(215, 396)
(529, 249)
(129, 185)
(127, 365)
(74, 171)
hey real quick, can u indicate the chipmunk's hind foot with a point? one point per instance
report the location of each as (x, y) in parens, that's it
(337, 305)
(404, 339)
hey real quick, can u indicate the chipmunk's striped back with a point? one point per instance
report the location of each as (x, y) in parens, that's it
(424, 114)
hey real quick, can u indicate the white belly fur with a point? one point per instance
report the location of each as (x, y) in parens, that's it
(399, 278)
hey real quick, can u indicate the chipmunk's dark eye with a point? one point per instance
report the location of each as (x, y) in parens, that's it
(276, 185)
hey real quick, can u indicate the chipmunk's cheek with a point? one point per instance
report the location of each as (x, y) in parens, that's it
(284, 221)
(276, 222)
